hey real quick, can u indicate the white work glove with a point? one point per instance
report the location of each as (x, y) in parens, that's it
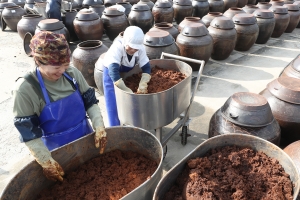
(144, 84)
(120, 84)
(100, 138)
(52, 170)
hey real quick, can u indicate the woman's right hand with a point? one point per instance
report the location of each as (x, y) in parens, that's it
(120, 84)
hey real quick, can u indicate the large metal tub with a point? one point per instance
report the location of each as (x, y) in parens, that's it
(240, 140)
(151, 111)
(28, 183)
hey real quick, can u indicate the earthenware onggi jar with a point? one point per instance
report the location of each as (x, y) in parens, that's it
(88, 3)
(85, 56)
(79, 3)
(147, 2)
(224, 35)
(163, 12)
(229, 3)
(247, 31)
(29, 4)
(296, 3)
(195, 42)
(282, 19)
(68, 18)
(200, 8)
(159, 41)
(293, 69)
(20, 3)
(12, 15)
(231, 12)
(241, 3)
(293, 150)
(114, 22)
(251, 2)
(108, 3)
(245, 113)
(41, 8)
(97, 9)
(209, 17)
(88, 26)
(188, 21)
(166, 27)
(216, 5)
(28, 23)
(294, 13)
(182, 9)
(132, 2)
(283, 96)
(266, 23)
(277, 2)
(141, 16)
(264, 5)
(250, 8)
(2, 6)
(127, 7)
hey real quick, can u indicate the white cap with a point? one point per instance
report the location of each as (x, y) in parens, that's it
(133, 37)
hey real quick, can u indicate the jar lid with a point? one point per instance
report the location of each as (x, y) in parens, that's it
(194, 30)
(264, 14)
(233, 11)
(244, 19)
(222, 23)
(296, 64)
(140, 7)
(86, 15)
(279, 9)
(158, 38)
(26, 42)
(50, 25)
(183, 2)
(112, 12)
(163, 4)
(91, 2)
(247, 109)
(286, 89)
(292, 7)
(6, 4)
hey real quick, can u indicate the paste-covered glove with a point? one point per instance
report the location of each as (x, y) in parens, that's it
(52, 170)
(120, 84)
(100, 138)
(144, 84)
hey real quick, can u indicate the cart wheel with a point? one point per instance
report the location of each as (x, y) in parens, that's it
(184, 135)
(165, 150)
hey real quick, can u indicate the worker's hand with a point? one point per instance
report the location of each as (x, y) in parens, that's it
(100, 139)
(144, 84)
(52, 170)
(120, 84)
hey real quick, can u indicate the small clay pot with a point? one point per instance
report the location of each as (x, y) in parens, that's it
(147, 2)
(68, 18)
(141, 16)
(282, 19)
(28, 23)
(266, 23)
(88, 3)
(247, 31)
(200, 8)
(264, 5)
(97, 9)
(209, 17)
(229, 3)
(182, 9)
(127, 7)
(166, 27)
(12, 15)
(250, 8)
(216, 5)
(41, 8)
(231, 12)
(188, 21)
(163, 12)
(294, 13)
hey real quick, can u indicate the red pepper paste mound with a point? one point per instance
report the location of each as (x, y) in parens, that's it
(232, 173)
(161, 80)
(107, 177)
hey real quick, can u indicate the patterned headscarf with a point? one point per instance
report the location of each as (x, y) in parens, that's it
(49, 48)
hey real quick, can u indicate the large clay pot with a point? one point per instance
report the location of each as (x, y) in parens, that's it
(166, 27)
(277, 2)
(296, 3)
(68, 18)
(85, 56)
(294, 13)
(163, 12)
(114, 22)
(18, 2)
(264, 5)
(245, 113)
(224, 35)
(195, 42)
(79, 3)
(88, 3)
(293, 150)
(88, 25)
(231, 12)
(209, 17)
(29, 5)
(141, 16)
(282, 19)
(132, 2)
(293, 69)
(127, 7)
(250, 8)
(247, 31)
(241, 3)
(2, 6)
(159, 41)
(53, 25)
(229, 3)
(188, 21)
(216, 5)
(182, 9)
(266, 23)
(283, 97)
(41, 8)
(28, 23)
(251, 2)
(97, 9)
(147, 2)
(12, 15)
(200, 8)
(108, 3)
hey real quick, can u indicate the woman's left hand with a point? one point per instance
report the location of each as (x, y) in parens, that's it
(143, 86)
(100, 138)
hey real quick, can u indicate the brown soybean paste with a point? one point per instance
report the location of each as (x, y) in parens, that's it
(232, 173)
(107, 177)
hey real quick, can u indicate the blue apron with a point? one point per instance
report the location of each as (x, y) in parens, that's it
(64, 120)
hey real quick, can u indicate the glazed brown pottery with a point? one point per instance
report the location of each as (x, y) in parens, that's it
(283, 95)
(127, 7)
(195, 42)
(251, 2)
(2, 6)
(53, 25)
(114, 22)
(250, 8)
(141, 16)
(88, 26)
(293, 150)
(147, 2)
(264, 5)
(163, 12)
(97, 9)
(28, 23)
(224, 35)
(159, 41)
(182, 9)
(188, 21)
(233, 11)
(266, 23)
(41, 8)
(296, 3)
(241, 3)
(200, 8)
(277, 2)
(282, 19)
(88, 3)
(68, 18)
(132, 2)
(229, 3)
(293, 69)
(216, 5)
(108, 3)
(85, 56)
(209, 17)
(247, 31)
(12, 15)
(245, 113)
(166, 27)
(294, 13)
(17, 2)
